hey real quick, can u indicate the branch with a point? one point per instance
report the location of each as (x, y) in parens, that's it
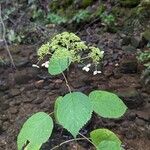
(4, 38)
(67, 84)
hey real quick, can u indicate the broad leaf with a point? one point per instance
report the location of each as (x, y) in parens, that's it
(59, 62)
(100, 135)
(73, 112)
(57, 102)
(35, 131)
(109, 145)
(107, 105)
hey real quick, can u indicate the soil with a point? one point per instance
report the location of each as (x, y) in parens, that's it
(28, 90)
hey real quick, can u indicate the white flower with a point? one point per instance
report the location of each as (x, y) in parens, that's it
(116, 64)
(46, 64)
(96, 72)
(88, 65)
(86, 68)
(35, 66)
(102, 52)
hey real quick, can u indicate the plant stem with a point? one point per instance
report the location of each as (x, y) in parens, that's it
(87, 139)
(4, 39)
(66, 82)
(65, 142)
(85, 57)
(50, 113)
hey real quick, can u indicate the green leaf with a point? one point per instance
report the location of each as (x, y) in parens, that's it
(73, 112)
(36, 130)
(100, 135)
(57, 102)
(59, 62)
(107, 105)
(109, 145)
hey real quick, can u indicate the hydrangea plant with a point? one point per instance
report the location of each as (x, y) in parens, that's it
(72, 47)
(73, 110)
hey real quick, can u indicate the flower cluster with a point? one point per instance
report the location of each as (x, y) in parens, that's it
(43, 51)
(96, 54)
(70, 45)
(87, 69)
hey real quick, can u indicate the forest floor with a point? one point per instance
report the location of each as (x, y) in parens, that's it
(28, 90)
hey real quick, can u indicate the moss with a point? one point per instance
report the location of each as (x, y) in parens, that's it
(60, 4)
(86, 3)
(121, 12)
(145, 3)
(129, 3)
(98, 12)
(146, 34)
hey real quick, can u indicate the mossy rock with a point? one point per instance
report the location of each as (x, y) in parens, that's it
(145, 3)
(86, 3)
(146, 35)
(129, 3)
(60, 4)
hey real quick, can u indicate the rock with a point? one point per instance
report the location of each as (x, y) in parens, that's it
(39, 84)
(140, 122)
(128, 66)
(128, 48)
(145, 3)
(135, 41)
(108, 72)
(131, 97)
(38, 100)
(13, 110)
(21, 62)
(14, 49)
(3, 85)
(3, 117)
(146, 35)
(129, 3)
(117, 74)
(125, 124)
(23, 76)
(14, 92)
(144, 114)
(27, 99)
(130, 135)
(6, 125)
(125, 41)
(145, 79)
(4, 106)
(131, 116)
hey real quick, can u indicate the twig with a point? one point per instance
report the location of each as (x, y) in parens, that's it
(66, 82)
(87, 139)
(65, 142)
(4, 39)
(51, 113)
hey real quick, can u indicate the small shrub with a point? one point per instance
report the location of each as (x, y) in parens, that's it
(73, 110)
(144, 57)
(108, 20)
(55, 19)
(81, 16)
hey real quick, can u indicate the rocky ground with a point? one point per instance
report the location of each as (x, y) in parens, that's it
(28, 90)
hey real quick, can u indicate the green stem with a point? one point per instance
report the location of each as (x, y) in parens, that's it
(85, 57)
(65, 142)
(87, 139)
(66, 82)
(50, 113)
